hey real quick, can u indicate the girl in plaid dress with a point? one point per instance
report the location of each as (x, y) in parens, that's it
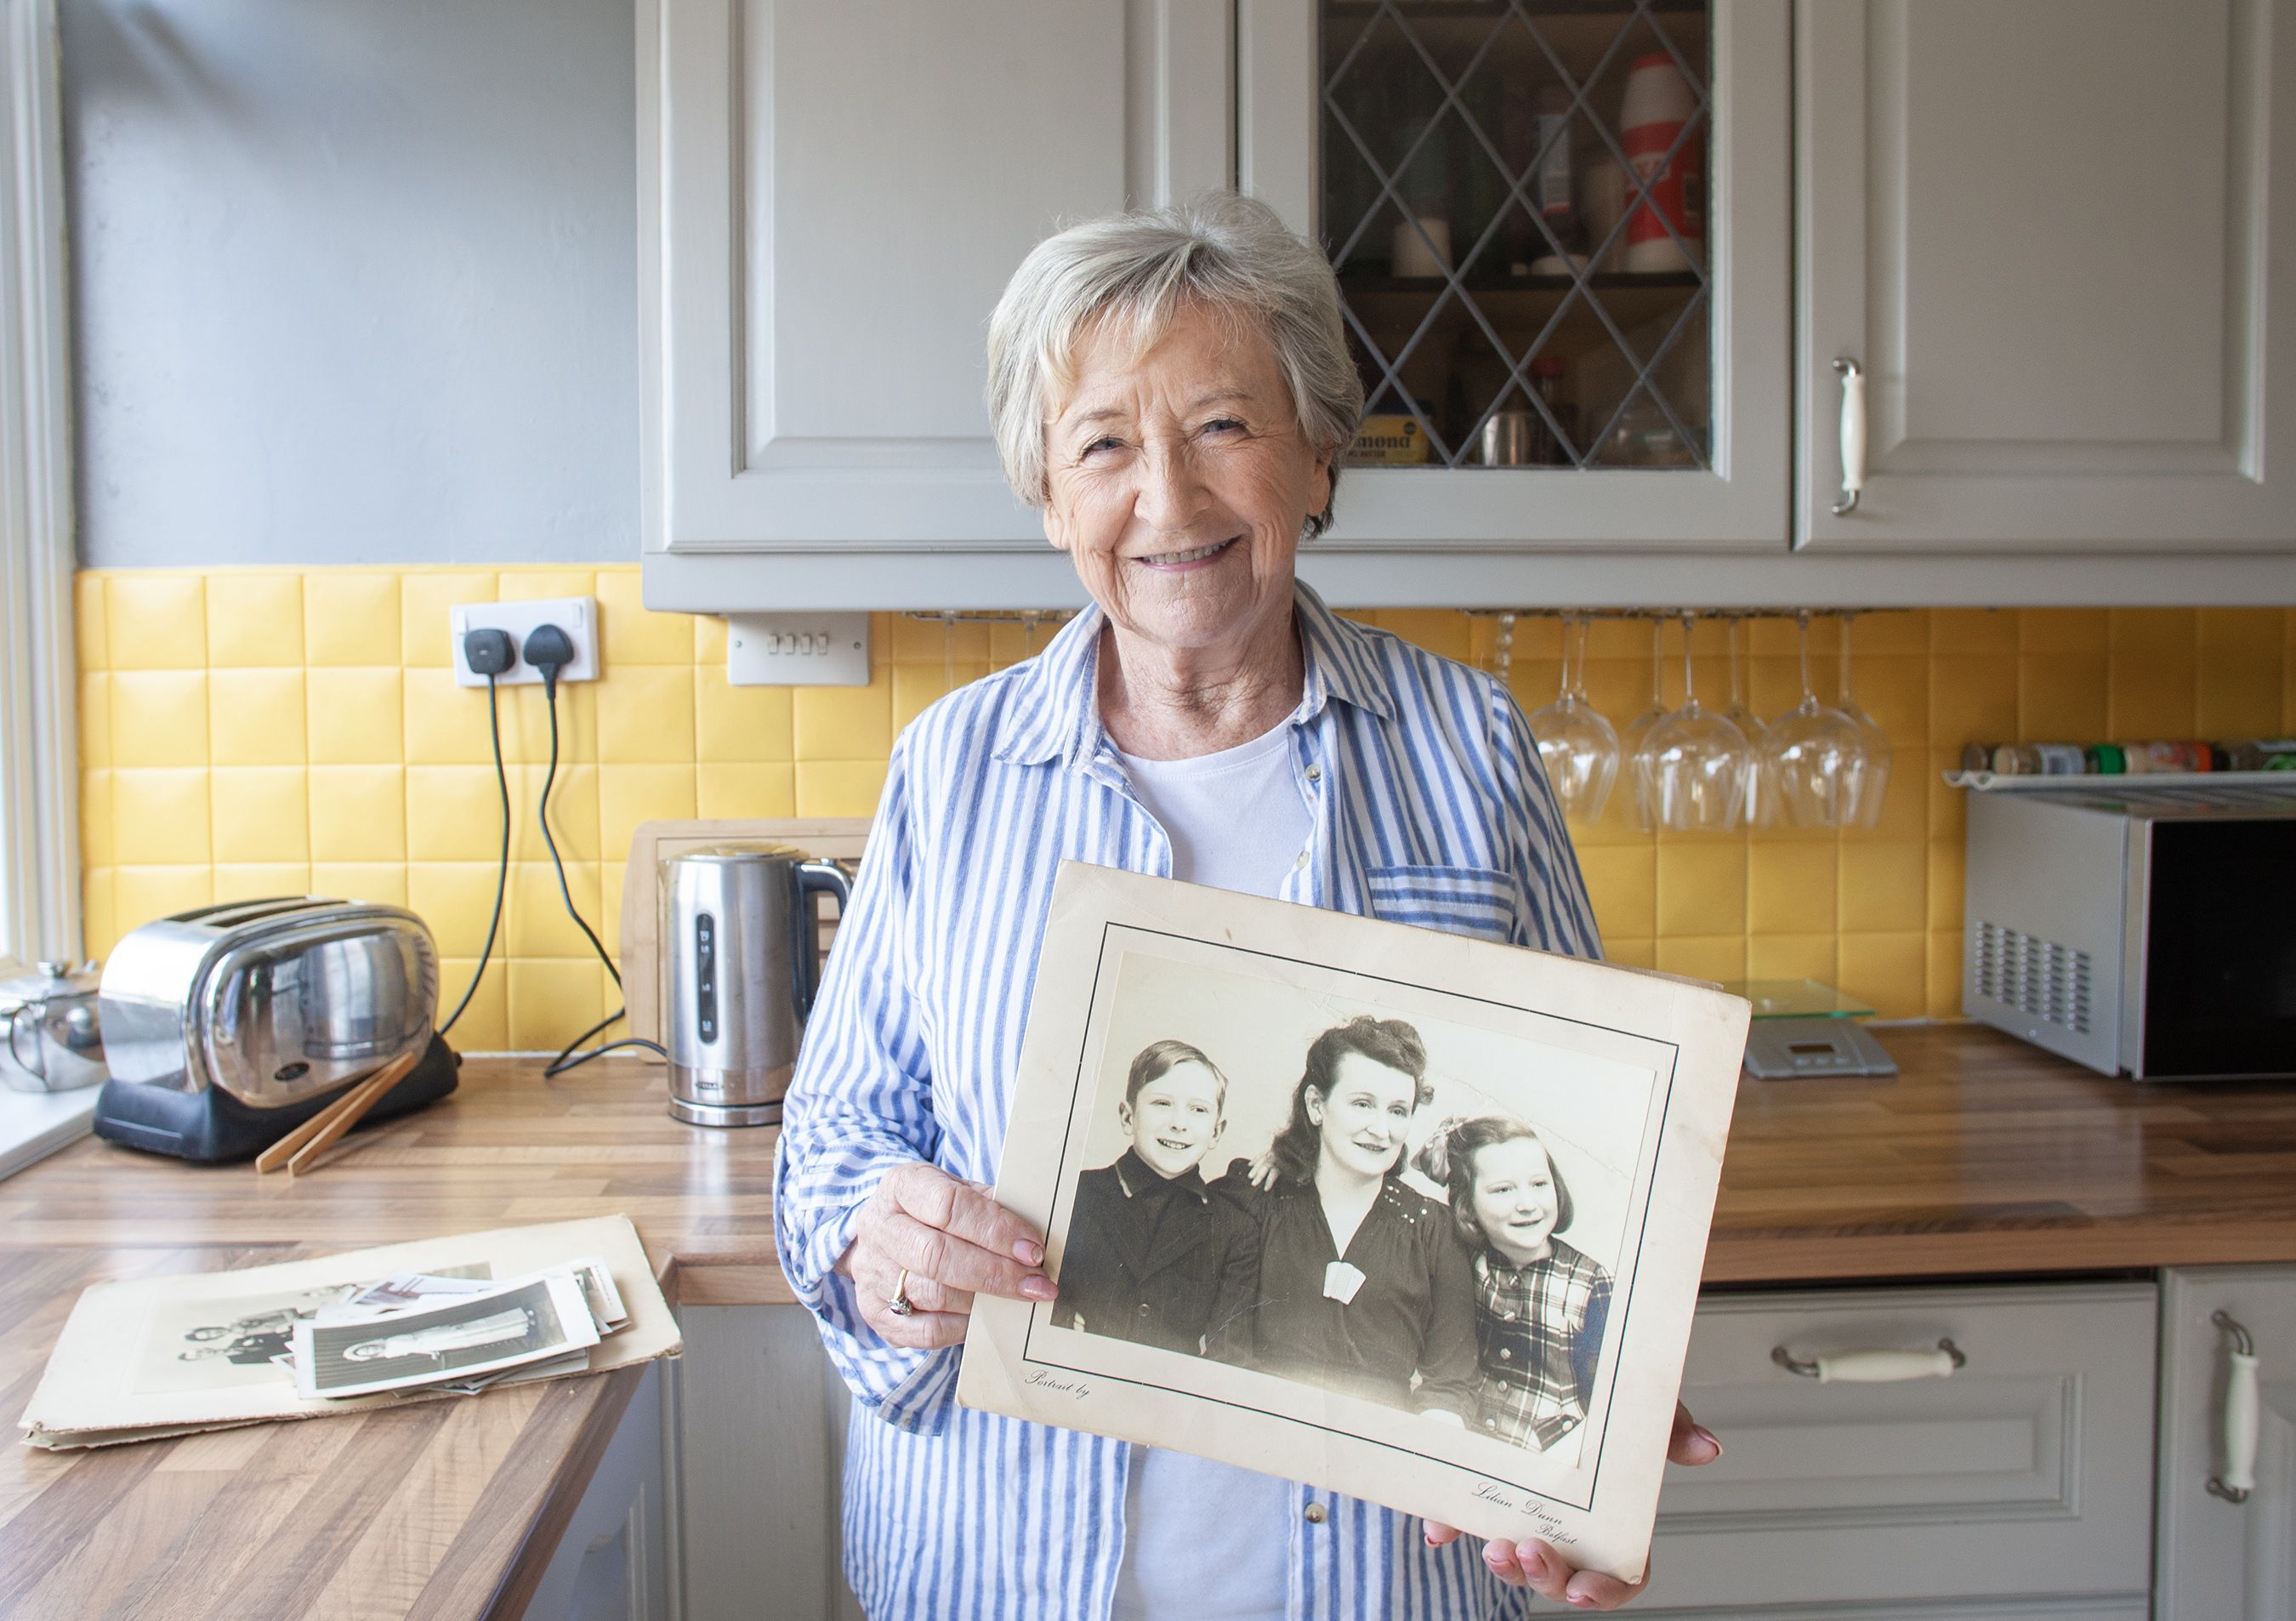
(1540, 1306)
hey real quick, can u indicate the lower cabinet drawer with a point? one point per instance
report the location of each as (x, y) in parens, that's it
(2017, 1486)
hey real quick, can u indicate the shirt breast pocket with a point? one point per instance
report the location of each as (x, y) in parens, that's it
(1473, 901)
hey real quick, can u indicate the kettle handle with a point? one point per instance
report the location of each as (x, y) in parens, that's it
(814, 880)
(32, 1068)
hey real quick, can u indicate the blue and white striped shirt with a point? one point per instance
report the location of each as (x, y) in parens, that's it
(1428, 807)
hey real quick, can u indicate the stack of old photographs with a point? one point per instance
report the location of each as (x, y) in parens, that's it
(418, 1331)
(145, 1357)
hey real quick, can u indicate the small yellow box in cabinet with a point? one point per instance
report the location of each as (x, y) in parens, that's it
(1389, 441)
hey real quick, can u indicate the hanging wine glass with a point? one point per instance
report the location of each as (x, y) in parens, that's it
(1761, 794)
(1630, 740)
(1816, 755)
(1576, 745)
(1695, 762)
(1868, 812)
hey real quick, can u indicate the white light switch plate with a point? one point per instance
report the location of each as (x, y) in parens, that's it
(797, 649)
(578, 616)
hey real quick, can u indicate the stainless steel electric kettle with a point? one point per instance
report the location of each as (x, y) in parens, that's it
(740, 964)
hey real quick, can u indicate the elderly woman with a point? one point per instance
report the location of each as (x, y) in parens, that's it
(1173, 390)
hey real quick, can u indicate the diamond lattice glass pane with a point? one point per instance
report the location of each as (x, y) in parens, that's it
(1514, 198)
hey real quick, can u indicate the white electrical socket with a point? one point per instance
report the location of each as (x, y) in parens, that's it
(797, 649)
(578, 616)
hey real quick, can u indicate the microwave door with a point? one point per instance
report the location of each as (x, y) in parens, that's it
(2220, 949)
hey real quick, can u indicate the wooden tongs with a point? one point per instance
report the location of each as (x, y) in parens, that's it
(301, 1148)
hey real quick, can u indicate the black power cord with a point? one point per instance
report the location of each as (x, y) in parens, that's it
(489, 654)
(549, 650)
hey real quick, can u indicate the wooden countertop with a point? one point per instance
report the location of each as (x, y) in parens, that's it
(1984, 1157)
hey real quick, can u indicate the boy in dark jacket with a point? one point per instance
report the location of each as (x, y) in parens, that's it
(1152, 1254)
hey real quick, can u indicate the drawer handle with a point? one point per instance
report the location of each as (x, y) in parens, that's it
(1875, 1367)
(2241, 1414)
(1853, 435)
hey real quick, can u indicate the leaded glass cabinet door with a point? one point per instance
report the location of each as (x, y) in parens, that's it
(1560, 228)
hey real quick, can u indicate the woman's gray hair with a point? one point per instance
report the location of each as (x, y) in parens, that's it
(1133, 271)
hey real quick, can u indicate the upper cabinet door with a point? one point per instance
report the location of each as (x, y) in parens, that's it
(1561, 235)
(2046, 232)
(833, 196)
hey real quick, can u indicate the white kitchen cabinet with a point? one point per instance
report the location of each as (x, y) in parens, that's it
(832, 197)
(760, 1453)
(612, 1560)
(2053, 236)
(2019, 1485)
(2220, 1561)
(2044, 232)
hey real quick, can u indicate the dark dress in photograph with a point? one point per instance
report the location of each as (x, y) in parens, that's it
(1153, 1259)
(1413, 1313)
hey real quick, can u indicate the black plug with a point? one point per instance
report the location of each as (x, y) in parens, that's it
(489, 653)
(549, 650)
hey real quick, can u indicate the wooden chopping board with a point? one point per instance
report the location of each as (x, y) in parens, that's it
(827, 838)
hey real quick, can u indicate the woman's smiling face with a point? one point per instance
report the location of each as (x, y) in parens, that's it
(1178, 481)
(1364, 1116)
(1515, 1202)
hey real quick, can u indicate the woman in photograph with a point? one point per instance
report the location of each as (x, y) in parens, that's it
(1172, 390)
(1540, 1306)
(1364, 1285)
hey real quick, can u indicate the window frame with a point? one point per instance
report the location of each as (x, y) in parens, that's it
(39, 756)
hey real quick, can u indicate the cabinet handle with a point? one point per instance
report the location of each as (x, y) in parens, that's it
(1853, 435)
(2241, 1414)
(1875, 1367)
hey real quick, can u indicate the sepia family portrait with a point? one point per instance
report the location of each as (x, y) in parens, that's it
(1322, 1260)
(1410, 1215)
(1310, 1186)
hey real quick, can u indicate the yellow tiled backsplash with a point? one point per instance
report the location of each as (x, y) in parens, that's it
(258, 732)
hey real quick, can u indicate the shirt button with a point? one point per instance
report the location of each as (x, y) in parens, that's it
(1505, 1356)
(1315, 773)
(1302, 861)
(1146, 1310)
(1314, 1513)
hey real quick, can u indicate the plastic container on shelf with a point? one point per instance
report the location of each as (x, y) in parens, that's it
(1667, 162)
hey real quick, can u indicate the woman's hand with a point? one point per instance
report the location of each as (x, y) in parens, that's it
(956, 1241)
(1263, 1168)
(1536, 1564)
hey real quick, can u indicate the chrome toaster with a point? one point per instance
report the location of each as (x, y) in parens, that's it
(228, 1027)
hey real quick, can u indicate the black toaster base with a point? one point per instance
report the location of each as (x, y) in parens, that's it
(213, 1127)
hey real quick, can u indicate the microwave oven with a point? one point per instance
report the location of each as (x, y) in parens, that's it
(2149, 933)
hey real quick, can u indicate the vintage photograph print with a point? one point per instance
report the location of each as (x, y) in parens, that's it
(471, 1334)
(1408, 1216)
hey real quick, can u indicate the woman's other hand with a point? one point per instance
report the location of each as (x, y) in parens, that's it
(954, 1240)
(1536, 1564)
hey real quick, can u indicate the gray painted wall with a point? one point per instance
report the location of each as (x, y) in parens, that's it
(354, 281)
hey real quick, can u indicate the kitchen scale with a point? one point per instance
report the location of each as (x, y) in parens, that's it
(1803, 1029)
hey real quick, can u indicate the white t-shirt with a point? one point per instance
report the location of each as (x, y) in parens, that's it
(1205, 1541)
